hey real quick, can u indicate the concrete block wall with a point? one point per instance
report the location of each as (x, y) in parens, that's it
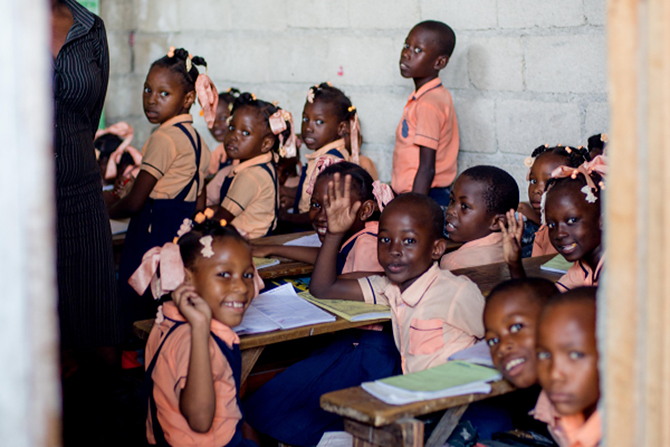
(524, 72)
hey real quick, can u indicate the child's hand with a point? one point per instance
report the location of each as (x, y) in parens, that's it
(341, 213)
(261, 251)
(192, 306)
(511, 227)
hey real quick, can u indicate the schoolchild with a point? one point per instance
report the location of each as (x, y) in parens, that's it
(426, 145)
(219, 159)
(359, 250)
(119, 162)
(434, 313)
(246, 195)
(480, 198)
(567, 367)
(193, 357)
(571, 210)
(541, 163)
(170, 183)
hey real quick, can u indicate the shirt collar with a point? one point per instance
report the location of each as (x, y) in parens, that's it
(183, 118)
(425, 88)
(337, 144)
(83, 20)
(579, 432)
(258, 160)
(415, 293)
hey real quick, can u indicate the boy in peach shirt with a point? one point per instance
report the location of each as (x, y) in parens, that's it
(434, 313)
(426, 147)
(480, 198)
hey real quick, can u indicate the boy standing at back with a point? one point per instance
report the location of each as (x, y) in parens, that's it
(426, 146)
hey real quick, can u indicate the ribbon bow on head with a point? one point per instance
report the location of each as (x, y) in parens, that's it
(208, 98)
(321, 164)
(278, 124)
(382, 193)
(162, 268)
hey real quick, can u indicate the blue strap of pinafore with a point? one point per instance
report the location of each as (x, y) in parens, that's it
(197, 148)
(303, 176)
(344, 252)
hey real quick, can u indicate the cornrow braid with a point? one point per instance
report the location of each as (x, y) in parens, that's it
(190, 247)
(177, 63)
(575, 155)
(266, 110)
(341, 103)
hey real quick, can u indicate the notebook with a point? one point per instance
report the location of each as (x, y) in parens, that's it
(557, 264)
(261, 263)
(311, 240)
(350, 310)
(479, 353)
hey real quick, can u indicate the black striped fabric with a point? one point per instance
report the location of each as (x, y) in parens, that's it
(87, 301)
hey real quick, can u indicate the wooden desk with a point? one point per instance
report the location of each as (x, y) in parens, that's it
(488, 276)
(374, 423)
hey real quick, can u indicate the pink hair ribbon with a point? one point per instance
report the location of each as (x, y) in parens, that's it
(278, 124)
(168, 278)
(321, 164)
(354, 132)
(382, 193)
(598, 164)
(208, 98)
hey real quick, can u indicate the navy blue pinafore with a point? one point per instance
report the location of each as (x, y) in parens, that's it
(156, 224)
(234, 359)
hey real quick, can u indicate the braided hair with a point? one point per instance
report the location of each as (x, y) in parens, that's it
(340, 102)
(574, 156)
(177, 63)
(266, 110)
(190, 246)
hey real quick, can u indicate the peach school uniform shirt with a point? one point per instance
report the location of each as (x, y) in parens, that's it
(437, 315)
(541, 244)
(338, 145)
(580, 274)
(363, 255)
(169, 157)
(482, 251)
(569, 431)
(428, 120)
(169, 377)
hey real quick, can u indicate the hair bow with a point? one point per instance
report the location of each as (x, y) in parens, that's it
(115, 159)
(383, 194)
(598, 165)
(170, 275)
(208, 98)
(278, 124)
(321, 164)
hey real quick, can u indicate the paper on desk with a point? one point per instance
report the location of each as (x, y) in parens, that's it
(350, 310)
(261, 263)
(311, 240)
(557, 264)
(396, 396)
(119, 226)
(478, 353)
(336, 439)
(283, 307)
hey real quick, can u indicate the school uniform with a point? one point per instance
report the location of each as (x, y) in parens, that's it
(168, 351)
(249, 192)
(428, 120)
(178, 158)
(542, 244)
(580, 274)
(482, 251)
(218, 159)
(335, 150)
(436, 316)
(569, 431)
(359, 252)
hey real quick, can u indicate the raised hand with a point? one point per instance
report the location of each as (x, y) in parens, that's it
(511, 227)
(191, 305)
(340, 211)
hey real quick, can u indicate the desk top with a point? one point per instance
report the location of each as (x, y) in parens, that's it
(355, 403)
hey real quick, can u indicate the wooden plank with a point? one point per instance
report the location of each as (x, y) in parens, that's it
(446, 426)
(404, 433)
(249, 359)
(355, 403)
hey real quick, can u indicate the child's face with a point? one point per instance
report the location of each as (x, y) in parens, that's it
(225, 280)
(405, 246)
(574, 224)
(220, 126)
(317, 211)
(419, 54)
(320, 125)
(467, 215)
(510, 319)
(540, 173)
(248, 135)
(567, 364)
(164, 96)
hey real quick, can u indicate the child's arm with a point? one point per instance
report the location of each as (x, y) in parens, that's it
(512, 229)
(529, 212)
(197, 401)
(341, 215)
(222, 213)
(136, 198)
(201, 201)
(302, 254)
(426, 171)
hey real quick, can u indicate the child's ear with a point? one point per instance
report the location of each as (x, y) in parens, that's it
(189, 99)
(494, 225)
(441, 62)
(439, 247)
(268, 142)
(343, 129)
(366, 210)
(188, 275)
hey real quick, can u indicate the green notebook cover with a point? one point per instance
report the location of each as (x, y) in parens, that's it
(557, 264)
(447, 375)
(350, 310)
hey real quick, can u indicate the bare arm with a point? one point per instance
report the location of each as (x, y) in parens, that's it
(426, 171)
(197, 401)
(341, 215)
(222, 213)
(302, 254)
(136, 198)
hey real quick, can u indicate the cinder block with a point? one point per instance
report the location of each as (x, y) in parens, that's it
(301, 56)
(119, 51)
(462, 14)
(382, 155)
(523, 125)
(595, 11)
(511, 163)
(124, 97)
(148, 48)
(455, 74)
(119, 15)
(321, 15)
(208, 15)
(540, 13)
(563, 64)
(381, 14)
(154, 16)
(269, 15)
(496, 63)
(365, 60)
(476, 124)
(597, 119)
(379, 113)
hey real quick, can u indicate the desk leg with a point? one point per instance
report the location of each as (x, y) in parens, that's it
(403, 433)
(249, 358)
(446, 425)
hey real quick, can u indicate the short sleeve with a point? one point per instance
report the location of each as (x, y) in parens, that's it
(467, 309)
(429, 123)
(372, 288)
(158, 155)
(243, 190)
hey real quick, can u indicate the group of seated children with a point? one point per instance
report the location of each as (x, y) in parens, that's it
(379, 245)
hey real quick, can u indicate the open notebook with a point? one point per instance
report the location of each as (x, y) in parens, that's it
(280, 308)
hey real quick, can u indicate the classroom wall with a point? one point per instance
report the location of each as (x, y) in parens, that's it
(524, 72)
